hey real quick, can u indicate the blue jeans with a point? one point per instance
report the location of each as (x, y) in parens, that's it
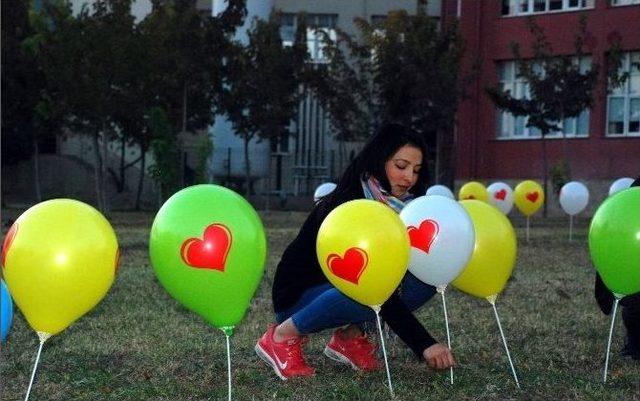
(324, 307)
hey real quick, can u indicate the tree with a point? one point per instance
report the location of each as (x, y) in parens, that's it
(262, 86)
(187, 50)
(27, 115)
(404, 70)
(558, 87)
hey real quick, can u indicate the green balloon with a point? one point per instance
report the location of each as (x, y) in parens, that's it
(614, 242)
(208, 249)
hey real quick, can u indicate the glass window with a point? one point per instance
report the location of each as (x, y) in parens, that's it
(634, 116)
(555, 5)
(623, 116)
(539, 6)
(615, 118)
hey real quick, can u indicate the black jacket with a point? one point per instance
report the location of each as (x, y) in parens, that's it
(299, 270)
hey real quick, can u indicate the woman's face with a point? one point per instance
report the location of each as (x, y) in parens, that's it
(402, 169)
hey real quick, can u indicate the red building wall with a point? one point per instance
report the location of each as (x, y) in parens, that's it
(488, 35)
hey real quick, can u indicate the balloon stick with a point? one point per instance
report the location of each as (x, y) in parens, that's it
(527, 228)
(228, 331)
(613, 319)
(384, 350)
(492, 301)
(43, 337)
(441, 290)
(570, 227)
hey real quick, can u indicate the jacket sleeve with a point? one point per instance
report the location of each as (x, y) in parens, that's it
(402, 321)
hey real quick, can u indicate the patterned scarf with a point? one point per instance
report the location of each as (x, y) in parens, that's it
(372, 190)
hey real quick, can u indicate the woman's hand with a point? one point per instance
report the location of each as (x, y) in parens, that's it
(438, 356)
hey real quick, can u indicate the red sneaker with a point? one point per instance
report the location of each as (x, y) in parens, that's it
(285, 357)
(357, 351)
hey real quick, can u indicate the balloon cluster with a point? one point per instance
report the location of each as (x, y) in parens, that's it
(528, 195)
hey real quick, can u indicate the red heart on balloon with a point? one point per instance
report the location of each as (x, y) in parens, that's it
(350, 267)
(532, 196)
(211, 251)
(423, 237)
(8, 240)
(501, 194)
(470, 197)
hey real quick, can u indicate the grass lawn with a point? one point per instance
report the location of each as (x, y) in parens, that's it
(140, 344)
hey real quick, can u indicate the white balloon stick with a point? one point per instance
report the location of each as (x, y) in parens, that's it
(229, 364)
(43, 337)
(376, 308)
(441, 289)
(570, 227)
(613, 319)
(492, 301)
(527, 228)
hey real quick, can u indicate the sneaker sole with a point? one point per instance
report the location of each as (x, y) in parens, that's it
(338, 357)
(265, 357)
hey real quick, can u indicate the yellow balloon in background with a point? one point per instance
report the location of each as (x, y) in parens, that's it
(473, 190)
(60, 259)
(363, 249)
(494, 253)
(528, 197)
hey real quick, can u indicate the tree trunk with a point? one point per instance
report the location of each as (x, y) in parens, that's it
(143, 161)
(121, 183)
(247, 165)
(105, 204)
(544, 174)
(438, 164)
(36, 169)
(97, 170)
(184, 131)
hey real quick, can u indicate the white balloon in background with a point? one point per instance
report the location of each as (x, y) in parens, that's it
(442, 238)
(620, 184)
(323, 190)
(440, 190)
(501, 196)
(574, 197)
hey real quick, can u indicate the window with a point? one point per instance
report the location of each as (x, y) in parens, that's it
(526, 7)
(512, 127)
(623, 102)
(624, 2)
(318, 25)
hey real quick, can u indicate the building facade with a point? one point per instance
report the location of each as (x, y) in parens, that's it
(600, 145)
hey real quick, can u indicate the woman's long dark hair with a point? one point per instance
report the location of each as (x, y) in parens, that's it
(371, 161)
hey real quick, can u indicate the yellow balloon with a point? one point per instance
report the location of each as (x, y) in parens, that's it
(473, 190)
(494, 253)
(363, 248)
(60, 259)
(528, 197)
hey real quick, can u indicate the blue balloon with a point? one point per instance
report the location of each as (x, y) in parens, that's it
(6, 312)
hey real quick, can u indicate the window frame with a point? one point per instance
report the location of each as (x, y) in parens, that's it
(515, 7)
(517, 125)
(628, 96)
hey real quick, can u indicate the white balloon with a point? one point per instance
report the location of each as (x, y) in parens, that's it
(501, 196)
(323, 190)
(574, 197)
(440, 190)
(442, 238)
(620, 184)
